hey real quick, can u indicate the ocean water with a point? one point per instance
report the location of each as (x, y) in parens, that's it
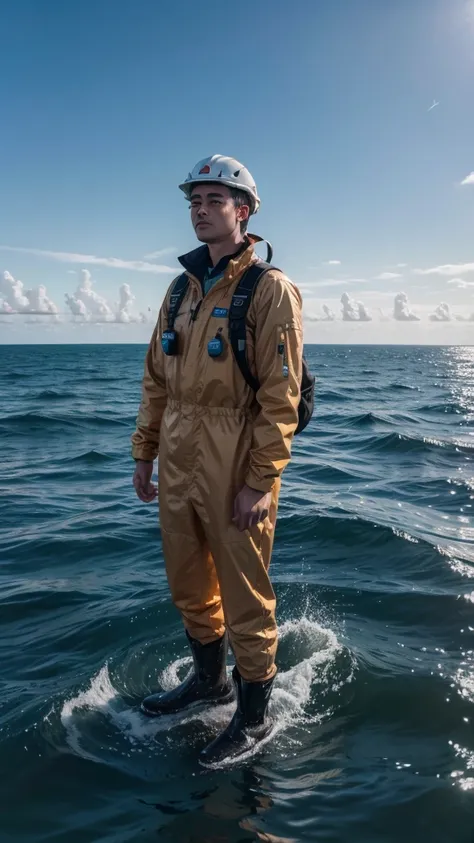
(374, 572)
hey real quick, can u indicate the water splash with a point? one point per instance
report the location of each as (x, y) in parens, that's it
(311, 649)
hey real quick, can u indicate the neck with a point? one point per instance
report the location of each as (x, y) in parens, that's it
(229, 246)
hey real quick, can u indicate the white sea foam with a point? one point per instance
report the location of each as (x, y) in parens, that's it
(313, 648)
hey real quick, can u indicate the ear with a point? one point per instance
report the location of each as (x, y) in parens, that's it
(243, 213)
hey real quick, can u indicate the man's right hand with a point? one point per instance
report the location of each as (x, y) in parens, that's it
(145, 489)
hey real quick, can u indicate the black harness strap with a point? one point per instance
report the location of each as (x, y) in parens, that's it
(241, 301)
(176, 298)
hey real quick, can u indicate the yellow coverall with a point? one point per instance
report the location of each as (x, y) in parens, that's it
(213, 434)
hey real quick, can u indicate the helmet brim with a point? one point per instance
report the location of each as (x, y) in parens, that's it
(187, 187)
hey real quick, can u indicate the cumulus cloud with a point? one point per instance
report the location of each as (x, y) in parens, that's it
(447, 269)
(87, 305)
(126, 300)
(15, 299)
(401, 309)
(77, 307)
(441, 314)
(96, 305)
(113, 263)
(465, 318)
(353, 311)
(387, 276)
(84, 305)
(469, 179)
(332, 263)
(461, 283)
(329, 315)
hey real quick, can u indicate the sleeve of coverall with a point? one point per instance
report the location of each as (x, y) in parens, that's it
(279, 361)
(145, 440)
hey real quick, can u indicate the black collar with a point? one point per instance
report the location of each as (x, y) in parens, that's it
(198, 262)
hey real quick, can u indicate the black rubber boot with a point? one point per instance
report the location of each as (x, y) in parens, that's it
(248, 725)
(207, 683)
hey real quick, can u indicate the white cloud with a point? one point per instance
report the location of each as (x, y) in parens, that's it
(461, 283)
(329, 315)
(113, 263)
(469, 179)
(447, 269)
(353, 311)
(160, 253)
(85, 304)
(95, 304)
(387, 276)
(332, 263)
(126, 299)
(401, 309)
(441, 314)
(15, 299)
(89, 306)
(76, 306)
(465, 318)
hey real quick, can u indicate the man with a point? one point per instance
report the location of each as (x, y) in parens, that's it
(222, 449)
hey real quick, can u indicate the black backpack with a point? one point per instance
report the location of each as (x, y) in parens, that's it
(241, 301)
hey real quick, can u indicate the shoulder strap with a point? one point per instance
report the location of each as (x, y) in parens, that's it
(241, 301)
(176, 299)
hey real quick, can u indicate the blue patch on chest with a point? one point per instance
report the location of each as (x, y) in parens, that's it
(220, 312)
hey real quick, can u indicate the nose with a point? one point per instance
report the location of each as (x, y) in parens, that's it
(201, 211)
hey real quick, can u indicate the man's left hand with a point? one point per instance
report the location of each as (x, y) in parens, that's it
(250, 507)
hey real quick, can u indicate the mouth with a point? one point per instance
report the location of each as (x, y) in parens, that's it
(198, 224)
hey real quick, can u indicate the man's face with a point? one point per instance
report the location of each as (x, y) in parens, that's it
(213, 213)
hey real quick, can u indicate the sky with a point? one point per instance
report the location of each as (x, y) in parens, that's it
(355, 118)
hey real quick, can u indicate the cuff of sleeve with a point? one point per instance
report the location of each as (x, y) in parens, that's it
(143, 453)
(260, 484)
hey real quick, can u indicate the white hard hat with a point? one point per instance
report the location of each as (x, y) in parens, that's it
(224, 170)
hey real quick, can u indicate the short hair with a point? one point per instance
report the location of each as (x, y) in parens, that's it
(240, 197)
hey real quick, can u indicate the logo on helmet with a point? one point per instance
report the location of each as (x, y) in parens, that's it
(204, 170)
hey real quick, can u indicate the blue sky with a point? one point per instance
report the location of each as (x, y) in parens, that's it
(106, 105)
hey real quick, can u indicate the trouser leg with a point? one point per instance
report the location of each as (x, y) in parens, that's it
(191, 574)
(242, 562)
